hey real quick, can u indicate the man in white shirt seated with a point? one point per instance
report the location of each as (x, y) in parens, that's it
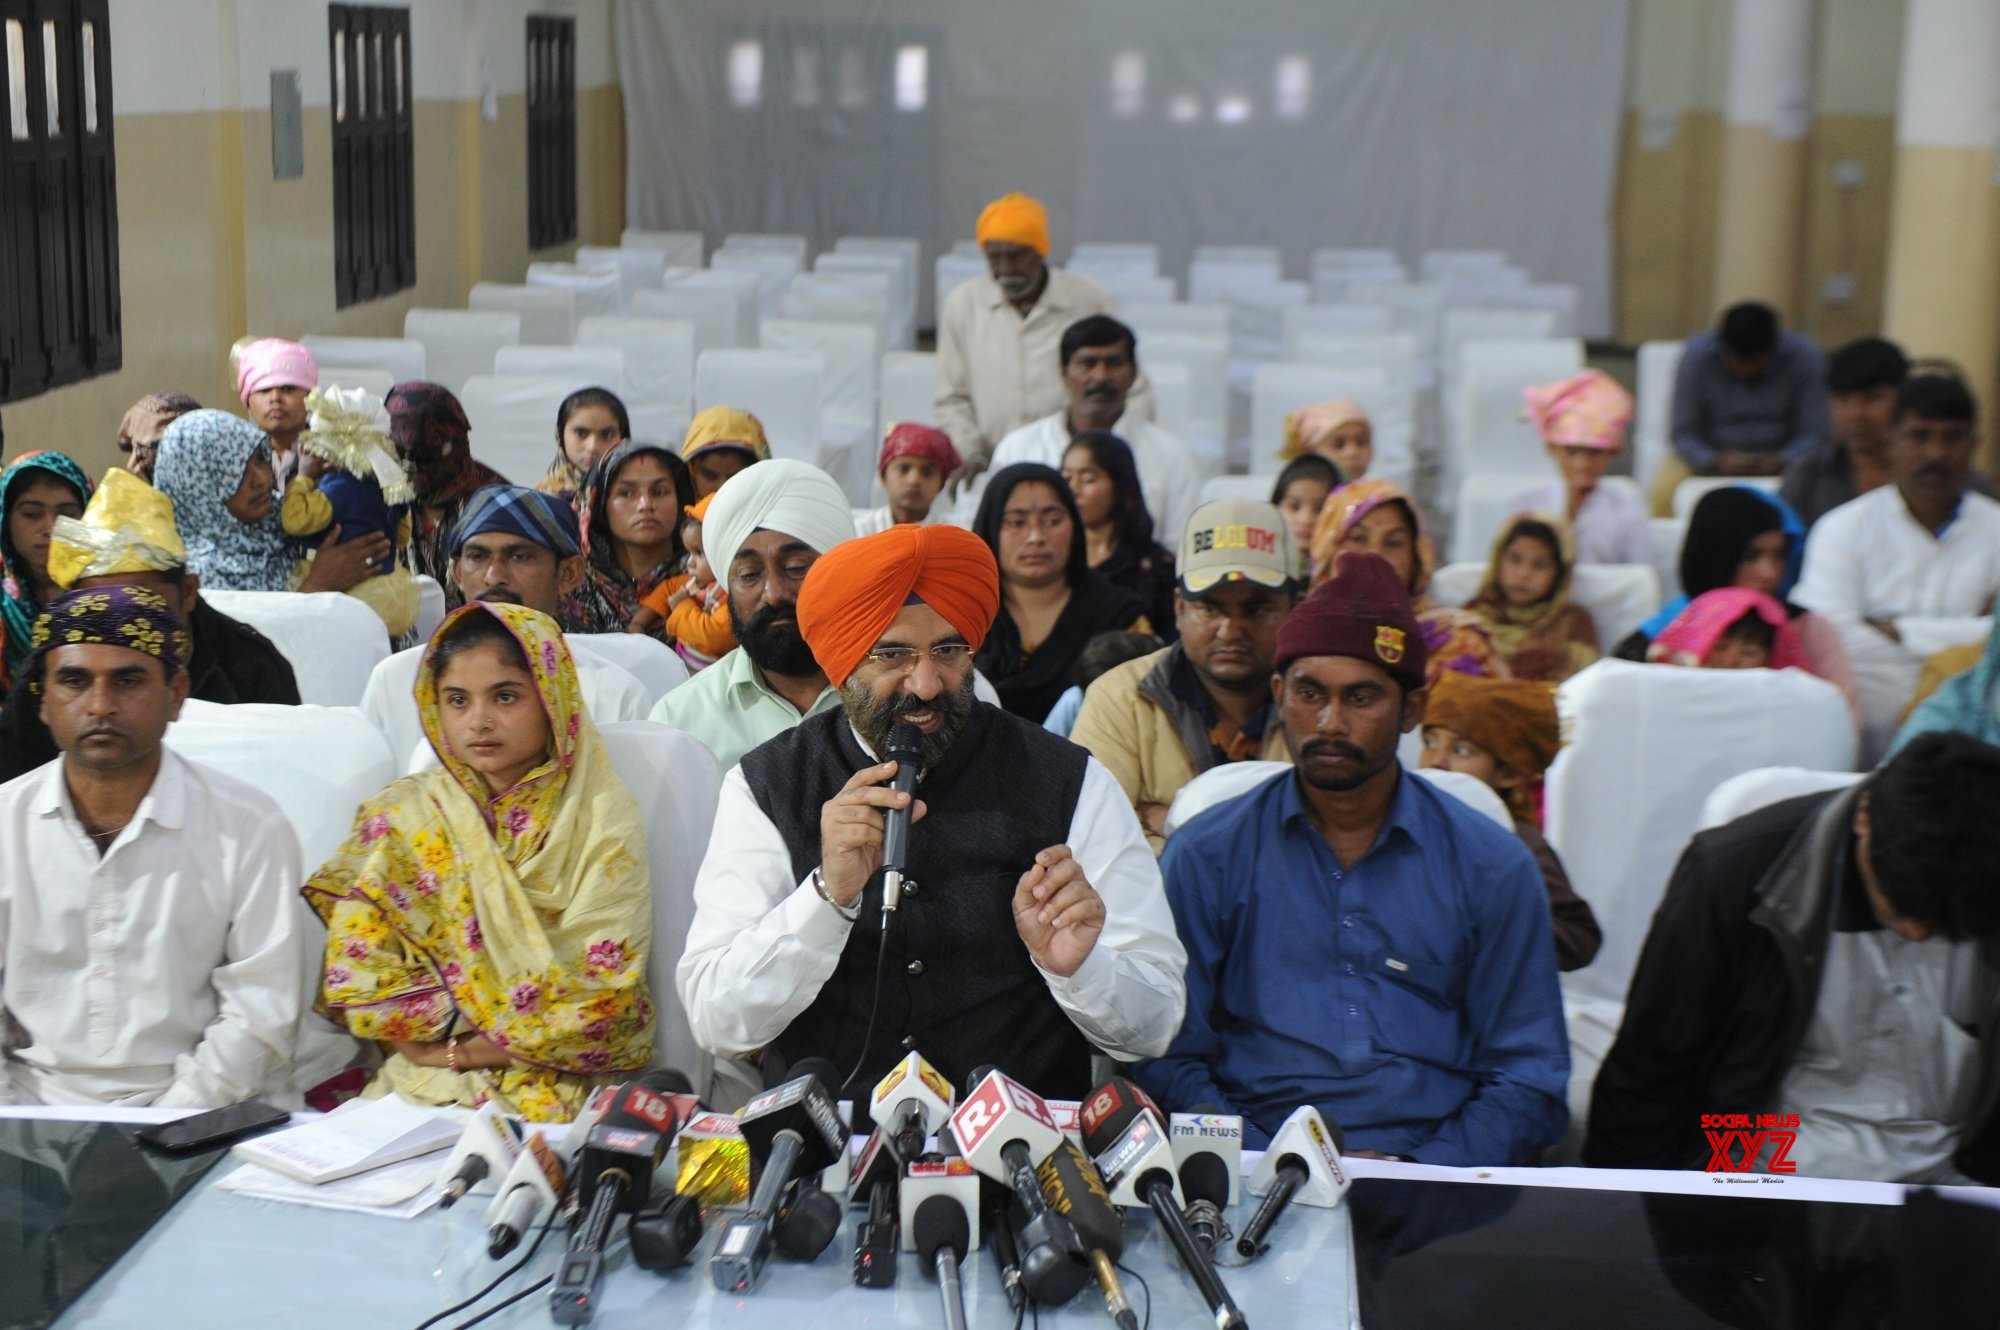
(149, 944)
(523, 547)
(1914, 566)
(1032, 926)
(1100, 363)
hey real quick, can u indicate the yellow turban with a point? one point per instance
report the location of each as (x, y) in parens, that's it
(856, 589)
(1015, 219)
(128, 528)
(725, 427)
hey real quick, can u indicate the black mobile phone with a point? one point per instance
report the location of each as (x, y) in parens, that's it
(217, 1127)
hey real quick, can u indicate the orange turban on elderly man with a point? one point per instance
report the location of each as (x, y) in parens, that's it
(857, 588)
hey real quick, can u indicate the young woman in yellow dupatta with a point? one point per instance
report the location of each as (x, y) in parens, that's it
(489, 921)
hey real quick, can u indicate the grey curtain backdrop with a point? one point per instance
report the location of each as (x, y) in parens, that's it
(1412, 124)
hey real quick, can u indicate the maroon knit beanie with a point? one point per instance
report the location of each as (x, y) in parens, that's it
(1361, 611)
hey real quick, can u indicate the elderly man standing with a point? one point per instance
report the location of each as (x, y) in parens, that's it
(997, 336)
(1358, 940)
(1031, 929)
(1100, 364)
(520, 546)
(149, 951)
(1161, 720)
(273, 377)
(765, 528)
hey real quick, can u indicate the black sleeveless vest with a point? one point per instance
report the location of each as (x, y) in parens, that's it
(958, 985)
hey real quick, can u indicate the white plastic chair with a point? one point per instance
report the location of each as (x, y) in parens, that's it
(1148, 319)
(1295, 320)
(1236, 487)
(580, 366)
(1129, 254)
(1173, 401)
(859, 270)
(638, 269)
(781, 387)
(742, 285)
(950, 272)
(771, 242)
(1393, 414)
(400, 357)
(1484, 500)
(711, 314)
(850, 358)
(1472, 323)
(597, 290)
(652, 662)
(1666, 535)
(676, 781)
(1689, 492)
(1653, 420)
(774, 267)
(430, 606)
(1492, 433)
(333, 641)
(1619, 596)
(909, 389)
(1206, 358)
(1268, 257)
(1330, 285)
(1436, 264)
(1560, 298)
(459, 343)
(1256, 316)
(1220, 784)
(548, 313)
(659, 370)
(1741, 795)
(1214, 281)
(514, 422)
(377, 381)
(682, 249)
(1415, 307)
(906, 250)
(1133, 288)
(845, 296)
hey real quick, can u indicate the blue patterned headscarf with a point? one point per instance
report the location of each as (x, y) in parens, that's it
(202, 456)
(519, 511)
(17, 588)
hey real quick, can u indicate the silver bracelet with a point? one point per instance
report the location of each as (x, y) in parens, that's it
(849, 913)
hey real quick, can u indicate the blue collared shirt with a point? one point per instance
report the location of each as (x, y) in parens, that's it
(1783, 410)
(1411, 998)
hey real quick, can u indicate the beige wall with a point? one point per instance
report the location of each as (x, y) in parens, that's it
(211, 246)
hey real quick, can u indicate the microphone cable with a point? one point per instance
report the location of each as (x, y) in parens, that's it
(498, 1279)
(1146, 1321)
(874, 1010)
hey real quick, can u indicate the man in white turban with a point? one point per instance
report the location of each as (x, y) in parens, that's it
(765, 528)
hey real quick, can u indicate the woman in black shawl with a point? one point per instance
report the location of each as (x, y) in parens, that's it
(1051, 601)
(1118, 531)
(631, 507)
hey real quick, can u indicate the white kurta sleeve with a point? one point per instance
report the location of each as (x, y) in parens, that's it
(1129, 994)
(762, 943)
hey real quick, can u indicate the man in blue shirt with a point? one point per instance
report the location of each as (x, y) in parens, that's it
(1358, 940)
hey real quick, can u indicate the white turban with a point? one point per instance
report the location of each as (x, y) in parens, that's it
(782, 494)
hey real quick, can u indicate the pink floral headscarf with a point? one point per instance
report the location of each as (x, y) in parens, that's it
(1591, 410)
(1692, 635)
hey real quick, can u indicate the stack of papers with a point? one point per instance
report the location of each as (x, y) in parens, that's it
(371, 1156)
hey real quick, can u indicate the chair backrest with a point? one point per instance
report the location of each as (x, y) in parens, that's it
(742, 285)
(1470, 323)
(860, 268)
(1688, 493)
(1436, 264)
(1297, 319)
(1215, 786)
(652, 662)
(850, 358)
(843, 295)
(514, 422)
(377, 381)
(582, 366)
(1471, 791)
(1416, 307)
(1236, 487)
(950, 272)
(771, 242)
(682, 249)
(675, 780)
(1491, 433)
(1267, 257)
(1484, 501)
(910, 252)
(711, 314)
(1653, 421)
(782, 387)
(775, 269)
(1666, 535)
(659, 369)
(1619, 596)
(1745, 794)
(1125, 253)
(1330, 285)
(1336, 258)
(430, 606)
(1280, 388)
(597, 290)
(333, 641)
(909, 389)
(1173, 401)
(1211, 281)
(1256, 315)
(1392, 413)
(548, 313)
(1128, 288)
(1149, 318)
(1561, 298)
(1646, 745)
(401, 357)
(1206, 355)
(638, 269)
(459, 343)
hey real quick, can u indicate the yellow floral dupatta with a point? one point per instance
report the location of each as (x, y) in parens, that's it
(525, 917)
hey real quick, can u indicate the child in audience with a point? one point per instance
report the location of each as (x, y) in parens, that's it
(1301, 492)
(1505, 733)
(1525, 601)
(1100, 655)
(349, 477)
(1583, 421)
(589, 423)
(1339, 431)
(915, 463)
(1733, 628)
(694, 607)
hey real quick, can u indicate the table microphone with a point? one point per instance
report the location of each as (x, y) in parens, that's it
(944, 1235)
(1005, 1130)
(1077, 1193)
(792, 1131)
(1205, 1183)
(993, 1197)
(904, 747)
(615, 1176)
(485, 1152)
(1303, 1162)
(1126, 1134)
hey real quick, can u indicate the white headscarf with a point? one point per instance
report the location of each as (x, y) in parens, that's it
(781, 494)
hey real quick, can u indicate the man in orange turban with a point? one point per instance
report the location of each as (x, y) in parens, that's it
(1031, 929)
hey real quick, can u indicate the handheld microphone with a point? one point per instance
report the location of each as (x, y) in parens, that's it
(1303, 1163)
(485, 1152)
(1005, 1129)
(943, 1238)
(904, 747)
(1127, 1136)
(792, 1131)
(1076, 1192)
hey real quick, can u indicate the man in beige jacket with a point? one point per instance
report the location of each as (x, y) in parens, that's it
(1159, 721)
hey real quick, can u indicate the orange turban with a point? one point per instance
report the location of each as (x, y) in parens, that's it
(856, 589)
(1014, 219)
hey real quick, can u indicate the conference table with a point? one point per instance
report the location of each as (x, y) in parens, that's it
(1412, 1246)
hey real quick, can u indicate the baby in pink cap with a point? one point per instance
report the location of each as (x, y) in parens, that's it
(1582, 421)
(273, 377)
